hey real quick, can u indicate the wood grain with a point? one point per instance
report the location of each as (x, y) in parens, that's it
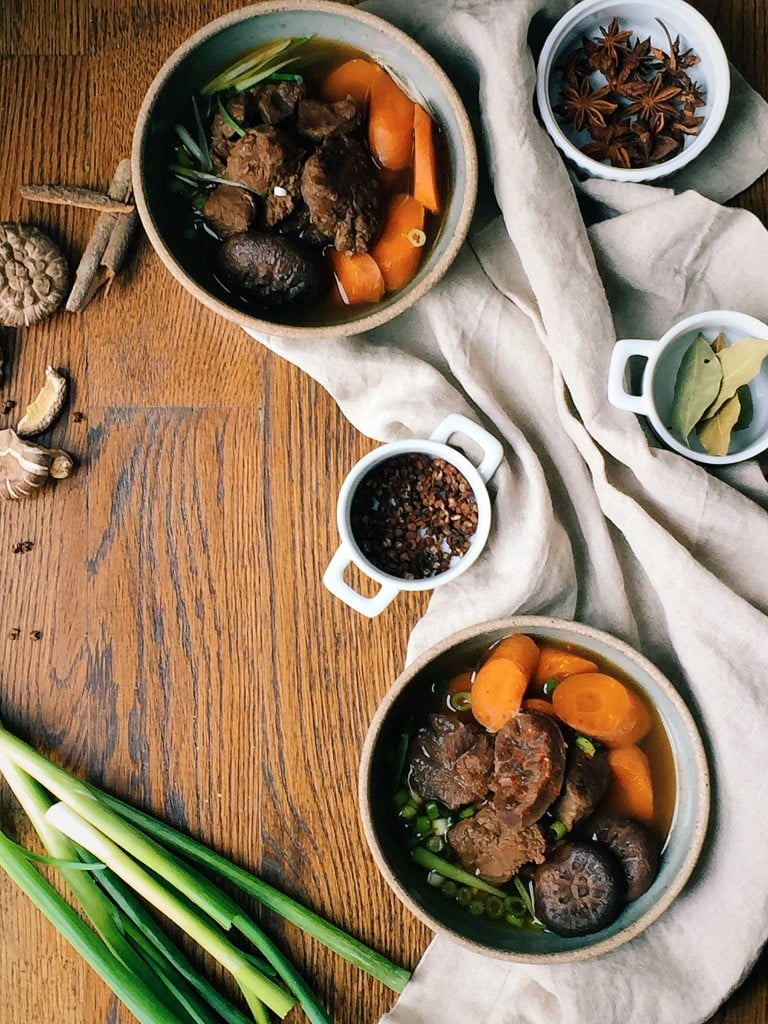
(189, 656)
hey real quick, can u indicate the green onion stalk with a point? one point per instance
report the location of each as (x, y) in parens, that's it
(113, 857)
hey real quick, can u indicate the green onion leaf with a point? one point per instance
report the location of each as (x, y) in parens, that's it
(426, 859)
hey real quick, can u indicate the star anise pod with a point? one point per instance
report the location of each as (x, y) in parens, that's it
(664, 146)
(633, 61)
(686, 125)
(606, 50)
(585, 106)
(653, 101)
(575, 68)
(691, 95)
(674, 61)
(615, 143)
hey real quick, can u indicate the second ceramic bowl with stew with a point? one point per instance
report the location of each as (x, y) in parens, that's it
(168, 132)
(415, 732)
(413, 514)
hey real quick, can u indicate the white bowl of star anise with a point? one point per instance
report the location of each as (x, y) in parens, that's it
(632, 90)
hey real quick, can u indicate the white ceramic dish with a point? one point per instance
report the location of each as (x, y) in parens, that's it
(437, 448)
(585, 19)
(218, 44)
(657, 385)
(377, 782)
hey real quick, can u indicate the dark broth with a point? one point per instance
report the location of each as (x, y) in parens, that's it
(195, 244)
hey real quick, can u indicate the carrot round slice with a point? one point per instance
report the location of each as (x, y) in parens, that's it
(630, 786)
(390, 124)
(497, 692)
(555, 663)
(357, 276)
(601, 707)
(352, 80)
(398, 252)
(425, 185)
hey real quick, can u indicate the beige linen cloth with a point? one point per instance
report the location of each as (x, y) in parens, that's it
(593, 520)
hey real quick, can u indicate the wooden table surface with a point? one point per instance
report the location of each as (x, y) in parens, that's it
(167, 633)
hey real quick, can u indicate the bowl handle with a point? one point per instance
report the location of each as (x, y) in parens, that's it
(493, 452)
(617, 394)
(370, 606)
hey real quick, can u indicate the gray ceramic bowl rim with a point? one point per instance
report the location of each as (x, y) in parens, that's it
(410, 295)
(581, 633)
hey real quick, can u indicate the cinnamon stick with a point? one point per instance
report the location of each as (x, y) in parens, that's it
(114, 254)
(72, 195)
(88, 276)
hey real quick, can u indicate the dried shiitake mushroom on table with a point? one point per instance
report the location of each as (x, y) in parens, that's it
(25, 466)
(33, 275)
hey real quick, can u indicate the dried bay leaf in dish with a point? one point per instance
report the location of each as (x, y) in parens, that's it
(740, 364)
(746, 401)
(715, 431)
(696, 387)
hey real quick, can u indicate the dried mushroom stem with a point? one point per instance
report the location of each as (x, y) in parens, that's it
(72, 195)
(25, 466)
(46, 407)
(89, 277)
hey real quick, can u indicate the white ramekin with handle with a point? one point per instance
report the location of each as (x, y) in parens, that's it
(435, 447)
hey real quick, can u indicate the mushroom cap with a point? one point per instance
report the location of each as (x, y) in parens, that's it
(579, 889)
(25, 466)
(33, 275)
(636, 847)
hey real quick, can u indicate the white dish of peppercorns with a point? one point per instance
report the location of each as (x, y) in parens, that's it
(413, 514)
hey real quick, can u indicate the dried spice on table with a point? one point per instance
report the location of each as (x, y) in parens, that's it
(636, 102)
(413, 515)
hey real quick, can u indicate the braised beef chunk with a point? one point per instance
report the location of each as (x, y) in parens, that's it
(529, 766)
(318, 121)
(268, 161)
(495, 851)
(272, 269)
(342, 194)
(223, 135)
(229, 210)
(451, 761)
(586, 780)
(276, 102)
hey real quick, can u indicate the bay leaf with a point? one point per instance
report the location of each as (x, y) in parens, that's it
(719, 343)
(740, 363)
(747, 407)
(696, 386)
(715, 432)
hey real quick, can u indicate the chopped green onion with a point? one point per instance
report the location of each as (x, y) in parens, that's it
(435, 880)
(409, 811)
(515, 921)
(202, 140)
(467, 812)
(494, 907)
(285, 78)
(433, 811)
(258, 65)
(434, 844)
(440, 826)
(461, 701)
(423, 824)
(449, 886)
(586, 745)
(426, 859)
(212, 179)
(476, 907)
(236, 128)
(525, 895)
(464, 896)
(550, 686)
(191, 146)
(558, 829)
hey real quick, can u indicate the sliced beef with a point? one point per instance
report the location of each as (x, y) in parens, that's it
(529, 767)
(268, 161)
(586, 780)
(271, 269)
(451, 761)
(636, 847)
(341, 191)
(318, 121)
(223, 135)
(276, 102)
(229, 210)
(495, 851)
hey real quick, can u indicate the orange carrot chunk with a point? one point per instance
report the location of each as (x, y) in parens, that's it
(497, 692)
(630, 787)
(398, 250)
(352, 80)
(601, 707)
(390, 124)
(425, 187)
(539, 706)
(555, 663)
(358, 277)
(520, 648)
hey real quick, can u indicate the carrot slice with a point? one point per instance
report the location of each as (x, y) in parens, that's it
(630, 787)
(555, 663)
(520, 648)
(601, 707)
(390, 124)
(497, 692)
(538, 705)
(352, 80)
(398, 252)
(357, 276)
(425, 187)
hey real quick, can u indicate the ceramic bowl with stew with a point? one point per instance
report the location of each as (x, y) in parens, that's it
(396, 824)
(646, 20)
(337, 34)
